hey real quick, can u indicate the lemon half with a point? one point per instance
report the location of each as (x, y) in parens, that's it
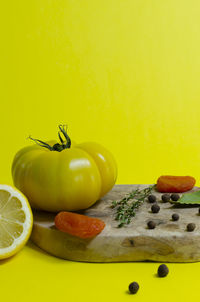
(16, 221)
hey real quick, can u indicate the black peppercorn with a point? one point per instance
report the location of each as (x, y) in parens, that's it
(151, 224)
(152, 198)
(163, 270)
(155, 208)
(175, 197)
(165, 197)
(175, 217)
(191, 227)
(133, 287)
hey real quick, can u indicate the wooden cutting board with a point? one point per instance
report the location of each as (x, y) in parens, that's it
(168, 242)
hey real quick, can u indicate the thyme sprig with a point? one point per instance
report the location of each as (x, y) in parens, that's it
(127, 206)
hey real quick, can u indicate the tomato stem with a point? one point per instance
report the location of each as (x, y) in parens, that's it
(63, 130)
(41, 143)
(65, 140)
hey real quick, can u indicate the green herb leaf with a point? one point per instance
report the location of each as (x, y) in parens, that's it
(189, 198)
(126, 207)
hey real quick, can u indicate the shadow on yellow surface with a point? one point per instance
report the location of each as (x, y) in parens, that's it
(5, 261)
(39, 253)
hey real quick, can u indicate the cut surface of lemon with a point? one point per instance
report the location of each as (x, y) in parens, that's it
(16, 221)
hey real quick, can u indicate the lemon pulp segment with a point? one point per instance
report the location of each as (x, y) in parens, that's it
(15, 221)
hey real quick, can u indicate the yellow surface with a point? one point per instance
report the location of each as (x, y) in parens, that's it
(124, 73)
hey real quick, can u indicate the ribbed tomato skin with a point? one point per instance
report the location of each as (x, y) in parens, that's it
(70, 180)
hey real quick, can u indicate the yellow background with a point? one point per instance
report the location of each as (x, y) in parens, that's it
(124, 73)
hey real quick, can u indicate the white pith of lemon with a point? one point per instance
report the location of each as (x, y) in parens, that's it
(16, 221)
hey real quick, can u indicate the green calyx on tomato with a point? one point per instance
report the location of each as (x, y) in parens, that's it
(71, 179)
(66, 143)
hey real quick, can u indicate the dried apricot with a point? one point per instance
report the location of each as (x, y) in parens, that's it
(175, 184)
(78, 225)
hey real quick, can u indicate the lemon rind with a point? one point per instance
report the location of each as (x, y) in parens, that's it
(27, 225)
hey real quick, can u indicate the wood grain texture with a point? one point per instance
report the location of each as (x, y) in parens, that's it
(168, 242)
